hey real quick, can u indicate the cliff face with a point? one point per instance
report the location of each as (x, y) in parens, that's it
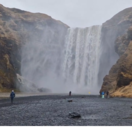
(117, 42)
(17, 28)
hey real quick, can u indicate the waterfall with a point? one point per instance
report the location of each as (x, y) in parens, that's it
(72, 65)
(82, 55)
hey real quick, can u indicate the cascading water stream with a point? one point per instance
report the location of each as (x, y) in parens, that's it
(62, 67)
(82, 55)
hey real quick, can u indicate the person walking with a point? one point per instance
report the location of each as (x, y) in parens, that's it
(12, 95)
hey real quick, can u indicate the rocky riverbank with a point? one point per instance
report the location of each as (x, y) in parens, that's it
(53, 110)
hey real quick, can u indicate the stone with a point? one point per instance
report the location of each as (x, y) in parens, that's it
(70, 100)
(74, 115)
(45, 90)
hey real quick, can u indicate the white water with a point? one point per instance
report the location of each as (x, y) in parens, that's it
(62, 67)
(82, 55)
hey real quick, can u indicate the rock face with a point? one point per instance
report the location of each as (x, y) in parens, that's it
(17, 28)
(117, 42)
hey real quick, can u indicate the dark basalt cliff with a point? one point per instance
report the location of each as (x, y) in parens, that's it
(117, 53)
(17, 28)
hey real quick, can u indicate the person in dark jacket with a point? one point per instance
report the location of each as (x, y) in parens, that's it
(12, 96)
(107, 94)
(100, 93)
(70, 93)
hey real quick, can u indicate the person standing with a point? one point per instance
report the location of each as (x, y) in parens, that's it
(70, 93)
(103, 94)
(107, 94)
(12, 96)
(100, 93)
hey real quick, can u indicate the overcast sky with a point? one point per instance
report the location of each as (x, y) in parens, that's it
(75, 13)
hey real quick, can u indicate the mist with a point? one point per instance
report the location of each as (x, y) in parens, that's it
(62, 60)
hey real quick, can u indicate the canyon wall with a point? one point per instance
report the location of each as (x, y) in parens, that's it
(21, 30)
(116, 40)
(17, 29)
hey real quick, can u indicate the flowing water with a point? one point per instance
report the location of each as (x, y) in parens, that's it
(82, 56)
(62, 67)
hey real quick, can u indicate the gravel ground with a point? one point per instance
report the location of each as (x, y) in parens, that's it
(53, 110)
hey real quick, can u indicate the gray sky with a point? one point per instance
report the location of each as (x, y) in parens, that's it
(75, 13)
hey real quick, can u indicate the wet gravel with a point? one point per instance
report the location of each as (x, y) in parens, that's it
(53, 110)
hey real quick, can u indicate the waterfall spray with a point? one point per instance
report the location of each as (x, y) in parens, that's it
(72, 66)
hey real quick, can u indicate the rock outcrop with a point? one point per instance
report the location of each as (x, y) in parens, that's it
(17, 28)
(117, 41)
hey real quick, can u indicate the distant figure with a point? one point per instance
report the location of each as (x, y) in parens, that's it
(12, 96)
(103, 95)
(70, 93)
(107, 94)
(100, 93)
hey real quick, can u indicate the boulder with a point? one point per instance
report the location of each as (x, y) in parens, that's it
(74, 115)
(70, 100)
